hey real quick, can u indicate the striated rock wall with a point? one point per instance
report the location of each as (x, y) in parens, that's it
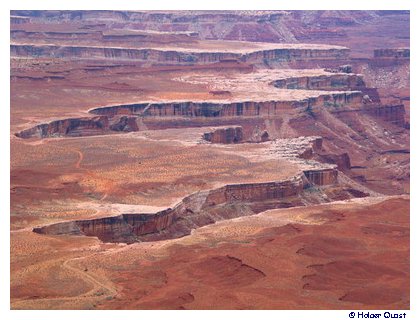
(169, 56)
(68, 127)
(77, 127)
(225, 135)
(194, 211)
(394, 114)
(392, 53)
(341, 160)
(109, 36)
(124, 124)
(317, 144)
(256, 192)
(206, 207)
(321, 177)
(56, 35)
(391, 113)
(123, 118)
(122, 228)
(324, 82)
(227, 109)
(14, 20)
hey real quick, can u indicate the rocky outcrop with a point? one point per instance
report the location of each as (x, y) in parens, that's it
(77, 127)
(400, 53)
(228, 108)
(332, 82)
(123, 118)
(124, 228)
(225, 135)
(340, 69)
(75, 35)
(394, 114)
(342, 161)
(236, 135)
(315, 152)
(321, 177)
(324, 82)
(24, 32)
(148, 36)
(14, 20)
(256, 192)
(68, 127)
(125, 124)
(203, 208)
(178, 56)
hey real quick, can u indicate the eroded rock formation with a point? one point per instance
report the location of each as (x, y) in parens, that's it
(225, 135)
(255, 54)
(392, 53)
(236, 135)
(123, 118)
(76, 127)
(68, 127)
(321, 177)
(206, 207)
(326, 82)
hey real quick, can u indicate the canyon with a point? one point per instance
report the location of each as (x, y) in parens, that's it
(210, 159)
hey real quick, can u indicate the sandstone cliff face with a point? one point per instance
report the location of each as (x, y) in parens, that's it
(169, 56)
(237, 135)
(124, 124)
(203, 208)
(315, 152)
(228, 109)
(225, 135)
(330, 82)
(73, 36)
(77, 127)
(341, 160)
(321, 177)
(68, 127)
(123, 228)
(123, 118)
(392, 53)
(394, 114)
(256, 192)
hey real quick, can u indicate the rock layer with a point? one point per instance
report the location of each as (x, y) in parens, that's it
(392, 53)
(321, 177)
(258, 55)
(123, 118)
(225, 135)
(206, 207)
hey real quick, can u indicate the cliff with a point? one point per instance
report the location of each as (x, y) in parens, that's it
(77, 127)
(400, 53)
(228, 108)
(259, 55)
(207, 207)
(324, 82)
(225, 135)
(394, 114)
(321, 177)
(123, 118)
(68, 127)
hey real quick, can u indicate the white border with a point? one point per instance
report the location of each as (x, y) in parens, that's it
(8, 5)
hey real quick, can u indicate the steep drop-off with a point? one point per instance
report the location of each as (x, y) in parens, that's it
(207, 207)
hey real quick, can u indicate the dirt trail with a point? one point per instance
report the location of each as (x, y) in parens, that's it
(97, 285)
(101, 289)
